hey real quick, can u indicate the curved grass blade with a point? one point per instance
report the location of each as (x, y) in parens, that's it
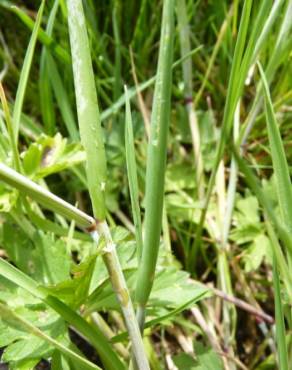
(44, 196)
(12, 318)
(281, 49)
(132, 175)
(280, 164)
(45, 39)
(25, 73)
(156, 160)
(168, 316)
(95, 337)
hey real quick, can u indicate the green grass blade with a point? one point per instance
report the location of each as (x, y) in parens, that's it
(132, 92)
(50, 226)
(256, 39)
(212, 60)
(117, 71)
(93, 334)
(50, 78)
(280, 324)
(233, 92)
(45, 39)
(280, 259)
(19, 278)
(87, 108)
(62, 98)
(185, 47)
(11, 318)
(16, 158)
(132, 175)
(269, 23)
(95, 337)
(166, 317)
(45, 89)
(280, 164)
(25, 73)
(43, 196)
(156, 157)
(280, 50)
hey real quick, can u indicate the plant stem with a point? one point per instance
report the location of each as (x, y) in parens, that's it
(122, 293)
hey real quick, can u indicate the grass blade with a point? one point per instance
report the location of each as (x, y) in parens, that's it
(132, 175)
(45, 89)
(95, 337)
(43, 196)
(185, 47)
(9, 125)
(43, 37)
(117, 71)
(62, 98)
(87, 108)
(282, 265)
(280, 164)
(11, 318)
(25, 73)
(156, 160)
(233, 92)
(133, 91)
(280, 324)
